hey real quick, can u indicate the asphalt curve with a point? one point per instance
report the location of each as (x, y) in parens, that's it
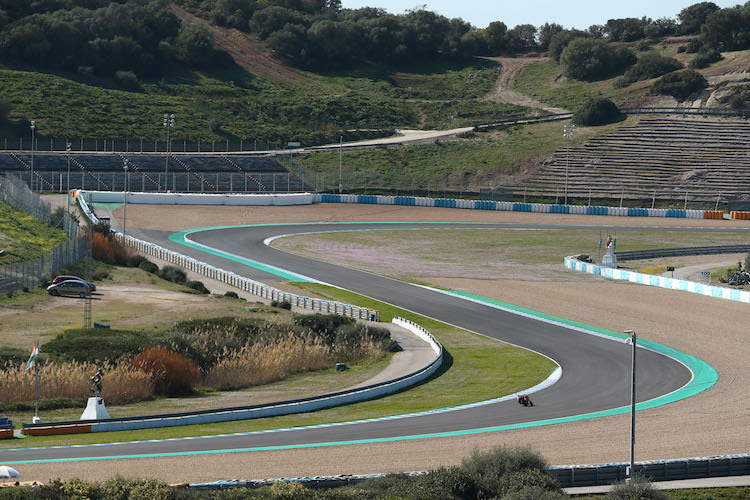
(595, 377)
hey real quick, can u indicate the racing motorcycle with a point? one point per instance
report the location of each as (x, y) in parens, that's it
(523, 399)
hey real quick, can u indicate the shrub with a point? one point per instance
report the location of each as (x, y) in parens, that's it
(705, 58)
(173, 274)
(126, 80)
(562, 39)
(12, 356)
(323, 324)
(649, 66)
(198, 286)
(681, 49)
(447, 484)
(172, 373)
(535, 493)
(679, 84)
(589, 59)
(231, 295)
(94, 344)
(637, 489)
(597, 112)
(694, 46)
(528, 478)
(135, 260)
(284, 304)
(488, 468)
(148, 266)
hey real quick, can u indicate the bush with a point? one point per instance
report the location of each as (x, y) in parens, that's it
(94, 344)
(535, 493)
(589, 59)
(126, 80)
(705, 58)
(198, 286)
(528, 478)
(323, 324)
(148, 266)
(173, 274)
(694, 46)
(679, 84)
(445, 484)
(172, 373)
(135, 260)
(649, 66)
(284, 304)
(488, 468)
(597, 112)
(637, 489)
(231, 295)
(681, 49)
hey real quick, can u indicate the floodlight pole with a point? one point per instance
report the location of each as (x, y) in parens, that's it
(33, 128)
(67, 189)
(168, 124)
(341, 150)
(631, 470)
(568, 131)
(125, 165)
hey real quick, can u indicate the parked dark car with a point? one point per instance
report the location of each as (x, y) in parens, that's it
(70, 287)
(62, 278)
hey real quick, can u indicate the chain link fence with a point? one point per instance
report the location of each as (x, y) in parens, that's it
(29, 274)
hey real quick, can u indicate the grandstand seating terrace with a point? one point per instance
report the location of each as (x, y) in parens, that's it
(706, 158)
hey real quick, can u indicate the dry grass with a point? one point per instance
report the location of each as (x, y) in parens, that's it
(123, 384)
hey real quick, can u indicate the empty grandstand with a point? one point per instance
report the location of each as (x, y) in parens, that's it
(55, 171)
(673, 157)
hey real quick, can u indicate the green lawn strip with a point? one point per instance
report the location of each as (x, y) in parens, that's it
(23, 237)
(471, 361)
(731, 493)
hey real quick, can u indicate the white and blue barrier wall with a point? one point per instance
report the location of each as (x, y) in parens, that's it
(659, 281)
(509, 206)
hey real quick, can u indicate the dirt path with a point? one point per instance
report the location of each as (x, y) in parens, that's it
(247, 53)
(504, 87)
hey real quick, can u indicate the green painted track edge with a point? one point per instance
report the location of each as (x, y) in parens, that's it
(704, 377)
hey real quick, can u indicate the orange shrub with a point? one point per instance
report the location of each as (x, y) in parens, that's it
(172, 373)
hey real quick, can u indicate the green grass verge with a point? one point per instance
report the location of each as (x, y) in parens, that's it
(23, 237)
(470, 362)
(735, 493)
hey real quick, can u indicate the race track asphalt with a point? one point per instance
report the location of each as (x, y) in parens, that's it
(595, 376)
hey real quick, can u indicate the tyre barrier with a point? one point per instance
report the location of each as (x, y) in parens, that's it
(508, 206)
(658, 281)
(739, 215)
(302, 405)
(255, 287)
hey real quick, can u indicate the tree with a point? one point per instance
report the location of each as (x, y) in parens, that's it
(625, 30)
(693, 17)
(561, 40)
(660, 28)
(545, 34)
(194, 44)
(597, 112)
(290, 43)
(266, 21)
(521, 38)
(589, 59)
(679, 84)
(5, 108)
(494, 35)
(334, 43)
(649, 66)
(727, 29)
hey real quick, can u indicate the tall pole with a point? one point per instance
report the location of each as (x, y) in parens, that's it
(341, 150)
(36, 398)
(631, 473)
(67, 189)
(125, 165)
(33, 128)
(168, 124)
(568, 131)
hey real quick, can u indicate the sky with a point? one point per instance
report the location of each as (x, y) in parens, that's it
(571, 14)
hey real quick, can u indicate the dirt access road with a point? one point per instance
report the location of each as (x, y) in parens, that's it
(506, 82)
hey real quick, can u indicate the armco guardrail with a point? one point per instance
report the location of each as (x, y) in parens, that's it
(655, 470)
(301, 405)
(509, 206)
(659, 281)
(243, 199)
(673, 252)
(230, 278)
(687, 111)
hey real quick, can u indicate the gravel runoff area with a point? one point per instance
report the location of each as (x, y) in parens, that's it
(713, 422)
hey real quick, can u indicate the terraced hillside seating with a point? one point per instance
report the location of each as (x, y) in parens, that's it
(206, 163)
(52, 162)
(146, 163)
(257, 163)
(7, 162)
(706, 158)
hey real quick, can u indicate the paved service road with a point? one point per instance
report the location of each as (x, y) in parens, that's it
(596, 371)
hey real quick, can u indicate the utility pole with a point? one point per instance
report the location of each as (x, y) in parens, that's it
(568, 132)
(168, 124)
(631, 470)
(341, 150)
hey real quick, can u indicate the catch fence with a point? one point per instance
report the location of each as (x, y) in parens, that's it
(31, 273)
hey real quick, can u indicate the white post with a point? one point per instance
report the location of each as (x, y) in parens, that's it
(631, 470)
(341, 152)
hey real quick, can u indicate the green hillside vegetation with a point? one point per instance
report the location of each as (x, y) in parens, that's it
(454, 165)
(23, 237)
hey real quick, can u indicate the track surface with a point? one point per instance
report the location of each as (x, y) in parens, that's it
(596, 371)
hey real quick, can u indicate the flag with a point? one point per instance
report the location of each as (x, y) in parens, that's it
(600, 240)
(32, 359)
